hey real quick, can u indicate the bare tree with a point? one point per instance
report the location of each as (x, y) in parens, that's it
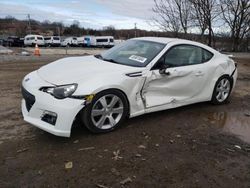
(204, 13)
(109, 30)
(172, 15)
(236, 14)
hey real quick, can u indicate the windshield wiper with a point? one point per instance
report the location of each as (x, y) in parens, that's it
(99, 56)
(111, 60)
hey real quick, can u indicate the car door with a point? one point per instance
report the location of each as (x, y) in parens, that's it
(184, 79)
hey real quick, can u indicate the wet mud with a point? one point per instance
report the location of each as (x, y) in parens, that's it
(200, 145)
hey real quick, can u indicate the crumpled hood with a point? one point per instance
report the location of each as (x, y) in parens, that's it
(73, 69)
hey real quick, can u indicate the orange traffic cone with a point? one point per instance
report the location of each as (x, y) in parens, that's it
(37, 51)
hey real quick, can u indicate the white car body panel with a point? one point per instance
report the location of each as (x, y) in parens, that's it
(148, 92)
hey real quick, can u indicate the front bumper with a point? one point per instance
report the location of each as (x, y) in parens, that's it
(65, 109)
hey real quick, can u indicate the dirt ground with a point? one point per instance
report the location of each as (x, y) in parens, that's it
(199, 145)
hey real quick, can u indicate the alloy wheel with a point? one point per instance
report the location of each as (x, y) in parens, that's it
(107, 111)
(223, 90)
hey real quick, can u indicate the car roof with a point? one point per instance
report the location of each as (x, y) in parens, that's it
(165, 40)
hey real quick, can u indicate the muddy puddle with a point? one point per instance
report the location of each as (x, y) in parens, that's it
(236, 123)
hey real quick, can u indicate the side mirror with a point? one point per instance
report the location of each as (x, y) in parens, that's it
(163, 69)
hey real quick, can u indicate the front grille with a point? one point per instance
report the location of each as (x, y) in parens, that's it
(29, 98)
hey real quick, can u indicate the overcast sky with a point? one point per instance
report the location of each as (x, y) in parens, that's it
(90, 13)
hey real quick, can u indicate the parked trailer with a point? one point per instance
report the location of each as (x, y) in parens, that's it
(52, 41)
(32, 40)
(104, 41)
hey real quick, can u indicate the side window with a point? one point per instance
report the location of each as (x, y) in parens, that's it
(183, 55)
(101, 40)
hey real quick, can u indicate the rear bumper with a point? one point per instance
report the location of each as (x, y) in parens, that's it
(65, 109)
(234, 76)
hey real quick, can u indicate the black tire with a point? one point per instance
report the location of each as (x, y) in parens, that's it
(86, 113)
(214, 99)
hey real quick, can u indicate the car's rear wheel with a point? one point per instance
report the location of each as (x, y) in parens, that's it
(106, 112)
(222, 90)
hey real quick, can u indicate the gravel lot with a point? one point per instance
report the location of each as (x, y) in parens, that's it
(199, 145)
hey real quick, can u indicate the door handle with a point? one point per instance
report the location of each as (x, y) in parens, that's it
(199, 73)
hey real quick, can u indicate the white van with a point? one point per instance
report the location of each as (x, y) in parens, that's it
(70, 41)
(105, 41)
(52, 41)
(32, 40)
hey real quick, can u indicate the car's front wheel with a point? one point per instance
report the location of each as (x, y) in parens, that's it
(106, 112)
(222, 90)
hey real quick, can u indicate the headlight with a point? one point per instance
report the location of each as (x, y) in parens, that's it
(60, 92)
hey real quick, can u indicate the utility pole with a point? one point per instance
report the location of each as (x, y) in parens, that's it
(29, 27)
(135, 29)
(58, 31)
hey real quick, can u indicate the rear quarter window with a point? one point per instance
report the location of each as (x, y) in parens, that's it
(206, 55)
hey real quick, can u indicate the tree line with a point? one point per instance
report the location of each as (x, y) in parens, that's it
(223, 22)
(208, 18)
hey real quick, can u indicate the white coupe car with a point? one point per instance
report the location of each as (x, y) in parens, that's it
(138, 76)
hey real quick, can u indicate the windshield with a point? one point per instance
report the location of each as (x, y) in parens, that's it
(137, 53)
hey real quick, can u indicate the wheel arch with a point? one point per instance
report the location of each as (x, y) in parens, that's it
(119, 90)
(107, 89)
(217, 75)
(223, 75)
